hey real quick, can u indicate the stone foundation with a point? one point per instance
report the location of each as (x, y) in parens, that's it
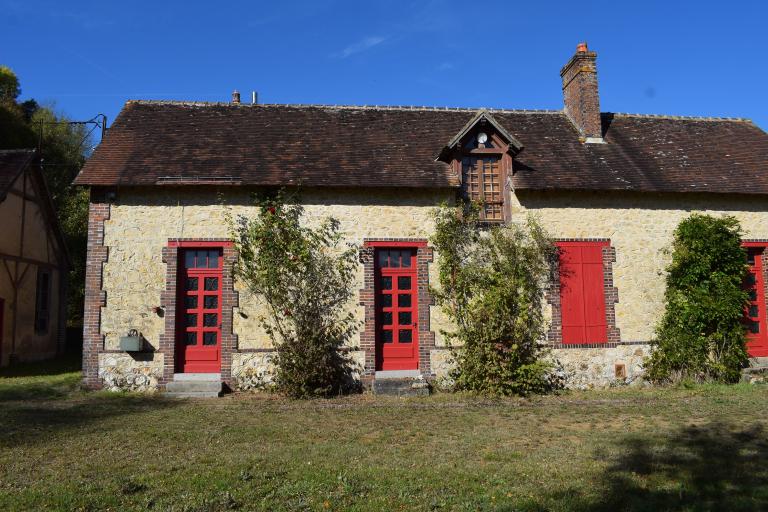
(253, 371)
(576, 368)
(123, 372)
(587, 368)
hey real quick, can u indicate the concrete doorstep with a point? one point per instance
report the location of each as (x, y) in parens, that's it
(194, 385)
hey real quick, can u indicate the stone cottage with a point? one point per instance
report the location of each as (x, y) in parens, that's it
(609, 187)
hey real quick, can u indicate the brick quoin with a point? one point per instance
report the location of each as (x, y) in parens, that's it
(95, 296)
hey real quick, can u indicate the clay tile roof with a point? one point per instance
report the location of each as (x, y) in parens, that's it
(12, 163)
(155, 143)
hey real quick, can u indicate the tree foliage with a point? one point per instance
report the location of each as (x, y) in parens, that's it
(492, 285)
(701, 335)
(9, 85)
(64, 147)
(304, 277)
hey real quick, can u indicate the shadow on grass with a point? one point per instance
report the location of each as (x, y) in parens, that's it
(67, 363)
(39, 401)
(32, 422)
(45, 380)
(699, 468)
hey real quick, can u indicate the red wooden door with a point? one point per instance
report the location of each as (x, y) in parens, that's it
(754, 316)
(582, 295)
(397, 330)
(199, 307)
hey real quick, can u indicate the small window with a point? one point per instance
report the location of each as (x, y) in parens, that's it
(208, 258)
(481, 182)
(43, 301)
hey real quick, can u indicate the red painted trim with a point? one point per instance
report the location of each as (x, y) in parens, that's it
(582, 297)
(757, 343)
(200, 243)
(392, 243)
(583, 243)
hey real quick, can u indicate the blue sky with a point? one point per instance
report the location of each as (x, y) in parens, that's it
(702, 58)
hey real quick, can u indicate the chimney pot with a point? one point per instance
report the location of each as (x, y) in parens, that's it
(235, 97)
(580, 94)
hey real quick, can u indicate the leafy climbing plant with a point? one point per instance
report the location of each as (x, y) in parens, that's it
(304, 277)
(701, 335)
(492, 285)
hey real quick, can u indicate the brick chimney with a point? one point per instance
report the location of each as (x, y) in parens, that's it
(582, 101)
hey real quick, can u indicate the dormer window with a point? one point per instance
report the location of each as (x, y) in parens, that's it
(481, 182)
(481, 154)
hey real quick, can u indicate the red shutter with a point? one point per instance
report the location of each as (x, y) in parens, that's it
(582, 295)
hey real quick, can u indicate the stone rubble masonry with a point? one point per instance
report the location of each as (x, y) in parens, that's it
(123, 372)
(586, 368)
(139, 275)
(133, 230)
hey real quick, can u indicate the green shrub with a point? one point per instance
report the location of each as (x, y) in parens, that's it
(304, 276)
(492, 284)
(701, 335)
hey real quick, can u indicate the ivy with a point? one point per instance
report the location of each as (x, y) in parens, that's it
(492, 285)
(701, 336)
(304, 276)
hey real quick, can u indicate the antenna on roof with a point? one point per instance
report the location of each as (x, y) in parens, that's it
(254, 98)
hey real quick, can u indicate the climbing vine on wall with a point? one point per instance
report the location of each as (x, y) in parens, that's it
(702, 334)
(303, 274)
(492, 283)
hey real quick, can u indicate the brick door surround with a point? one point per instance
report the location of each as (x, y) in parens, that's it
(169, 297)
(424, 256)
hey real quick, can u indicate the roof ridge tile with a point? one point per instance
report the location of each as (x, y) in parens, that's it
(345, 107)
(680, 118)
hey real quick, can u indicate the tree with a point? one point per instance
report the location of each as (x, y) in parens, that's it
(64, 147)
(492, 284)
(304, 277)
(9, 85)
(701, 335)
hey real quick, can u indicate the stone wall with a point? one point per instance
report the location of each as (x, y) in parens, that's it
(141, 221)
(585, 368)
(124, 372)
(639, 227)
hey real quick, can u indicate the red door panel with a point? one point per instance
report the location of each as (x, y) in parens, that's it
(199, 307)
(397, 332)
(755, 313)
(582, 296)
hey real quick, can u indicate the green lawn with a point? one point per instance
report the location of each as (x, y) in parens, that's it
(674, 449)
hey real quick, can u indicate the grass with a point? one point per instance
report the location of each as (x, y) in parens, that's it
(703, 448)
